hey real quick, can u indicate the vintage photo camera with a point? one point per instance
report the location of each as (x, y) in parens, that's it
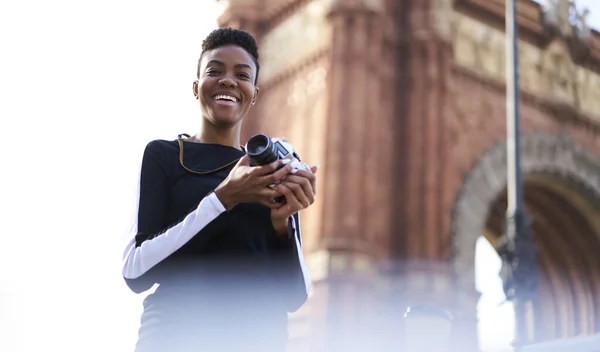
(263, 150)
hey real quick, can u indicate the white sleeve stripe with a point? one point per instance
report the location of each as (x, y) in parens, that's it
(138, 260)
(303, 266)
(216, 202)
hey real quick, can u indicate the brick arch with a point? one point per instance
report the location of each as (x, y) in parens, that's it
(556, 155)
(569, 296)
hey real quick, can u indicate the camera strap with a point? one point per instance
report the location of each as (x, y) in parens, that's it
(180, 139)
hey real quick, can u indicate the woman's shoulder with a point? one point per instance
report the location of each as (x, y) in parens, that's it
(162, 152)
(162, 146)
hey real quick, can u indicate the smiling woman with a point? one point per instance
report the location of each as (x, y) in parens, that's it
(227, 76)
(227, 258)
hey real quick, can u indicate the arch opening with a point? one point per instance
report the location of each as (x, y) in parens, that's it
(566, 230)
(559, 175)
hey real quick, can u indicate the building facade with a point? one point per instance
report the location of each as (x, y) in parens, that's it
(402, 102)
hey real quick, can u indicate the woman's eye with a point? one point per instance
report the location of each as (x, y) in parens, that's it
(212, 72)
(244, 75)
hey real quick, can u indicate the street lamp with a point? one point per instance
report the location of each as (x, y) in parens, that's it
(427, 328)
(519, 256)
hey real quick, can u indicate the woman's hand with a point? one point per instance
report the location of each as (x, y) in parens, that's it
(249, 184)
(299, 190)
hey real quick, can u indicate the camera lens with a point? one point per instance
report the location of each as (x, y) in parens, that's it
(260, 150)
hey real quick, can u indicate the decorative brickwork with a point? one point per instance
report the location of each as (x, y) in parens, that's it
(402, 103)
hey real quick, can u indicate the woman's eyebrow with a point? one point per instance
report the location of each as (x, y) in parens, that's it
(217, 62)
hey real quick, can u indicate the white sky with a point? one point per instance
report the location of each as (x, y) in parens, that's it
(83, 87)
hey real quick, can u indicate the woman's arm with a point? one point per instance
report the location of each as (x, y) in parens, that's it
(296, 279)
(299, 191)
(294, 228)
(151, 243)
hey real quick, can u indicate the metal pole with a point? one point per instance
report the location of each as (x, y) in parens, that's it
(512, 110)
(516, 249)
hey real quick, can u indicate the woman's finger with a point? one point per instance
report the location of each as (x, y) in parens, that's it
(268, 196)
(276, 176)
(298, 192)
(288, 193)
(305, 184)
(244, 161)
(269, 193)
(270, 168)
(272, 204)
(306, 174)
(312, 178)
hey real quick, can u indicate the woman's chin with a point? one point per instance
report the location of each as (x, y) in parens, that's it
(226, 120)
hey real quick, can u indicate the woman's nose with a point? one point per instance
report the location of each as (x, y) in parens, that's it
(227, 82)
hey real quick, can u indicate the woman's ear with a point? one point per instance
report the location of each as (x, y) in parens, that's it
(255, 97)
(195, 86)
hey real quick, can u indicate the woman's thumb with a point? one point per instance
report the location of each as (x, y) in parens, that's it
(244, 161)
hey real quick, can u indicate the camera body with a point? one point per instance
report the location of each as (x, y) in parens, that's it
(263, 150)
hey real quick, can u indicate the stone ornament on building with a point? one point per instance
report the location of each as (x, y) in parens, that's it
(558, 73)
(557, 14)
(582, 29)
(478, 46)
(548, 73)
(309, 26)
(564, 16)
(555, 155)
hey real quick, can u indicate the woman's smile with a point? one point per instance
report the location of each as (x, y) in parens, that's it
(226, 99)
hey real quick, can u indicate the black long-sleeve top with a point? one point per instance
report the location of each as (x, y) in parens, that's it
(196, 251)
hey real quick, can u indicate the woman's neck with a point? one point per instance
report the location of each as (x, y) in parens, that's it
(214, 135)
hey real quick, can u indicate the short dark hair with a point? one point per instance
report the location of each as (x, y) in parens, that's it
(225, 36)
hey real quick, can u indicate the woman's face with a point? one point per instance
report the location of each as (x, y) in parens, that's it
(226, 89)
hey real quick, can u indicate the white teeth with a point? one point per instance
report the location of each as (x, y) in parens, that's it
(226, 97)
